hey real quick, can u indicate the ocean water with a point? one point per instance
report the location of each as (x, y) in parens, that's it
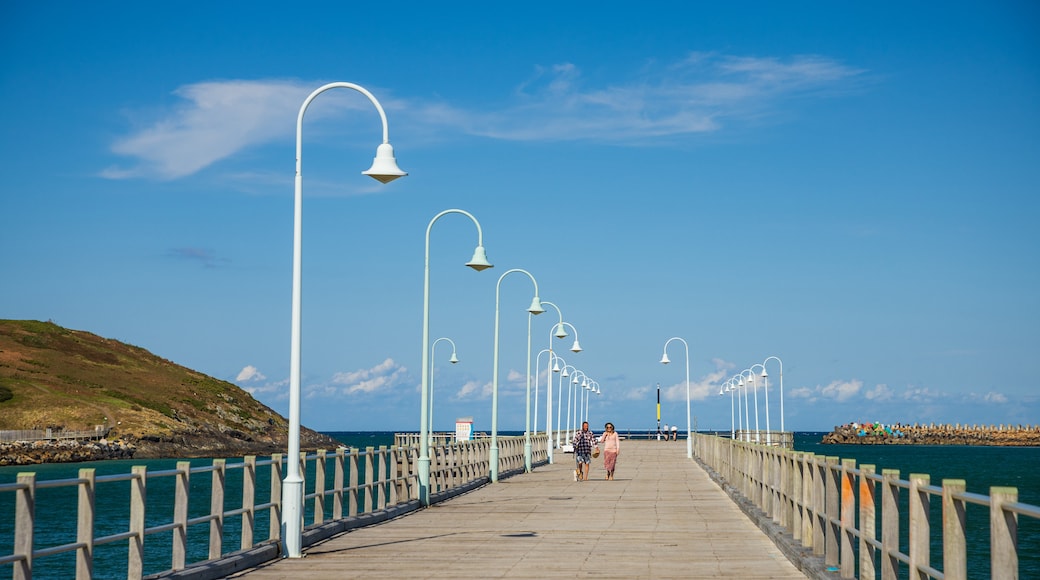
(981, 467)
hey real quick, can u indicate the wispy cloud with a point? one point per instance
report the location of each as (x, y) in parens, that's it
(704, 92)
(381, 377)
(200, 255)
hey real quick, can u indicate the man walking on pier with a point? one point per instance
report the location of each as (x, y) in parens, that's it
(583, 443)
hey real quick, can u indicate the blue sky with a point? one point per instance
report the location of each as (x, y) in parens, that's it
(850, 188)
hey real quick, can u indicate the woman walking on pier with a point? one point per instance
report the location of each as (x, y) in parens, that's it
(611, 447)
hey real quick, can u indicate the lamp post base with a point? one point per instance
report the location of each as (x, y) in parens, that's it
(292, 517)
(424, 481)
(494, 464)
(527, 457)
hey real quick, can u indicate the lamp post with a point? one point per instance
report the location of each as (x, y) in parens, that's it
(754, 382)
(478, 262)
(559, 401)
(765, 378)
(747, 415)
(664, 360)
(535, 308)
(732, 418)
(384, 169)
(561, 333)
(453, 360)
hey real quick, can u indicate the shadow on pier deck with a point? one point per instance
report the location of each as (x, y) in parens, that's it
(662, 517)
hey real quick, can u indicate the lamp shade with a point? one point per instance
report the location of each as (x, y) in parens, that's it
(479, 260)
(561, 332)
(664, 359)
(454, 359)
(764, 375)
(384, 167)
(536, 306)
(576, 347)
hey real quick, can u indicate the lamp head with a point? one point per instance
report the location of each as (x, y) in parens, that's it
(536, 306)
(564, 374)
(454, 359)
(561, 332)
(664, 359)
(556, 366)
(384, 167)
(764, 375)
(576, 347)
(479, 260)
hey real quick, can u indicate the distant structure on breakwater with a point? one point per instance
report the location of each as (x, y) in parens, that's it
(932, 434)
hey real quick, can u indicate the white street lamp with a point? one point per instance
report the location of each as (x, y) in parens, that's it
(384, 169)
(453, 360)
(754, 381)
(535, 308)
(478, 262)
(764, 377)
(664, 360)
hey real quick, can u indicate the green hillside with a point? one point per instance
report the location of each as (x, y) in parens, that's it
(54, 377)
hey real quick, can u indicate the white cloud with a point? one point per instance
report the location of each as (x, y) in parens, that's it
(474, 390)
(249, 373)
(217, 119)
(879, 393)
(992, 397)
(382, 377)
(841, 390)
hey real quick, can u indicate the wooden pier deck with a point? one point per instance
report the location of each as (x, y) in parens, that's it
(662, 517)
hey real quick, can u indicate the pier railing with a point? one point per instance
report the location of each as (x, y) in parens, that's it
(837, 509)
(348, 488)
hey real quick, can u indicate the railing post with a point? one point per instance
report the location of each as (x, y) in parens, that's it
(394, 477)
(1003, 533)
(337, 482)
(248, 501)
(955, 547)
(85, 525)
(920, 526)
(798, 459)
(370, 478)
(889, 524)
(180, 515)
(276, 497)
(319, 487)
(352, 495)
(216, 509)
(832, 511)
(808, 491)
(381, 491)
(819, 498)
(848, 518)
(135, 556)
(24, 518)
(867, 522)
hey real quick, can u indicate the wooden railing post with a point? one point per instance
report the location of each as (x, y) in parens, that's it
(381, 491)
(955, 546)
(920, 526)
(889, 524)
(867, 522)
(352, 495)
(135, 556)
(24, 520)
(832, 511)
(319, 487)
(798, 461)
(808, 490)
(85, 525)
(819, 505)
(216, 508)
(276, 497)
(370, 478)
(180, 514)
(848, 518)
(248, 501)
(1003, 533)
(337, 483)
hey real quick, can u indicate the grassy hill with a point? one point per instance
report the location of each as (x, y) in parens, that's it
(69, 379)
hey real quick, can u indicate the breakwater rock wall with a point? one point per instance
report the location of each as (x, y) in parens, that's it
(932, 434)
(63, 451)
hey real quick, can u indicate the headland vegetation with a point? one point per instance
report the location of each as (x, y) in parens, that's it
(69, 395)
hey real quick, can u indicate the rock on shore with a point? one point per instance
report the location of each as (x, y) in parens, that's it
(63, 451)
(932, 434)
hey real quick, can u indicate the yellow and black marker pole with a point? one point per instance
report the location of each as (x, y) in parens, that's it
(658, 411)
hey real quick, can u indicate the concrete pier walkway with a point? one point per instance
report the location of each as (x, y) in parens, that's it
(661, 517)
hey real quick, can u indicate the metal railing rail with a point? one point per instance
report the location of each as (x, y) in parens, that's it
(831, 507)
(390, 479)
